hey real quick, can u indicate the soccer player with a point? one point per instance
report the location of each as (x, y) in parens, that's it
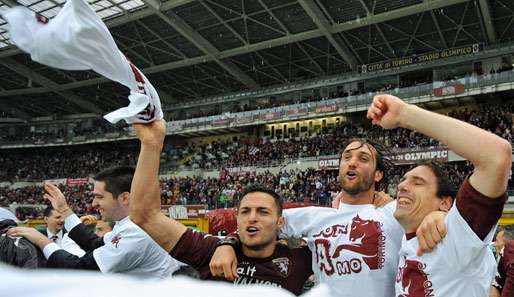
(259, 218)
(462, 264)
(126, 249)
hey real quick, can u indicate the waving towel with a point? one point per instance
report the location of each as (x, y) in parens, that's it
(77, 39)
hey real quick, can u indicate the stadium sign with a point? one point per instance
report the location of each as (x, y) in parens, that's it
(328, 163)
(220, 122)
(422, 58)
(60, 181)
(245, 120)
(414, 156)
(296, 112)
(325, 109)
(270, 116)
(232, 171)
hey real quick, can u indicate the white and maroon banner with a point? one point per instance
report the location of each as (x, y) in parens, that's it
(240, 170)
(60, 181)
(196, 211)
(72, 182)
(450, 90)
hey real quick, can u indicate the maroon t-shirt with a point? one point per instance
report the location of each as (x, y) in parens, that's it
(286, 268)
(504, 281)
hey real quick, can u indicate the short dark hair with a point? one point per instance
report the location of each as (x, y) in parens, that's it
(445, 188)
(48, 211)
(111, 224)
(253, 188)
(383, 164)
(117, 179)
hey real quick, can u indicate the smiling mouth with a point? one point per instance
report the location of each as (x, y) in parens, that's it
(404, 201)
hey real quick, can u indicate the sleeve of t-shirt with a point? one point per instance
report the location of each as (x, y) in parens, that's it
(195, 248)
(299, 222)
(466, 239)
(480, 212)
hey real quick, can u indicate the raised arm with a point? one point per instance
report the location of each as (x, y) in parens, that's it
(145, 197)
(490, 154)
(77, 231)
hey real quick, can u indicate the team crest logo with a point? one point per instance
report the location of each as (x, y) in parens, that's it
(282, 266)
(116, 240)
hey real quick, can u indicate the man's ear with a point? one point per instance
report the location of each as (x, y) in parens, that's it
(123, 198)
(281, 222)
(378, 175)
(446, 203)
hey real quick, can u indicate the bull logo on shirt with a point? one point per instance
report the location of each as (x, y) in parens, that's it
(414, 281)
(282, 266)
(365, 237)
(116, 240)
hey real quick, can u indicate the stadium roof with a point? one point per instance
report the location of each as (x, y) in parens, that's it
(190, 49)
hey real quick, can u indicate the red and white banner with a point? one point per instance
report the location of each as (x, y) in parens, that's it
(72, 182)
(195, 211)
(450, 90)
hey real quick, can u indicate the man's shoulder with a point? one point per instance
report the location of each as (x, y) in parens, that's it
(282, 250)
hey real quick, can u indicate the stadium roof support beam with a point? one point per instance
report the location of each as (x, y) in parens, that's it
(321, 21)
(350, 25)
(488, 21)
(40, 79)
(243, 40)
(201, 43)
(379, 30)
(436, 22)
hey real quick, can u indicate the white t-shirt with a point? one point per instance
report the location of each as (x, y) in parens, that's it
(461, 265)
(128, 249)
(354, 249)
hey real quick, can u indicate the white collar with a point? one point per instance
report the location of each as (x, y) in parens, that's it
(50, 234)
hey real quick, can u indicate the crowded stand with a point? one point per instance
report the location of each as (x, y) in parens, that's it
(81, 160)
(313, 187)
